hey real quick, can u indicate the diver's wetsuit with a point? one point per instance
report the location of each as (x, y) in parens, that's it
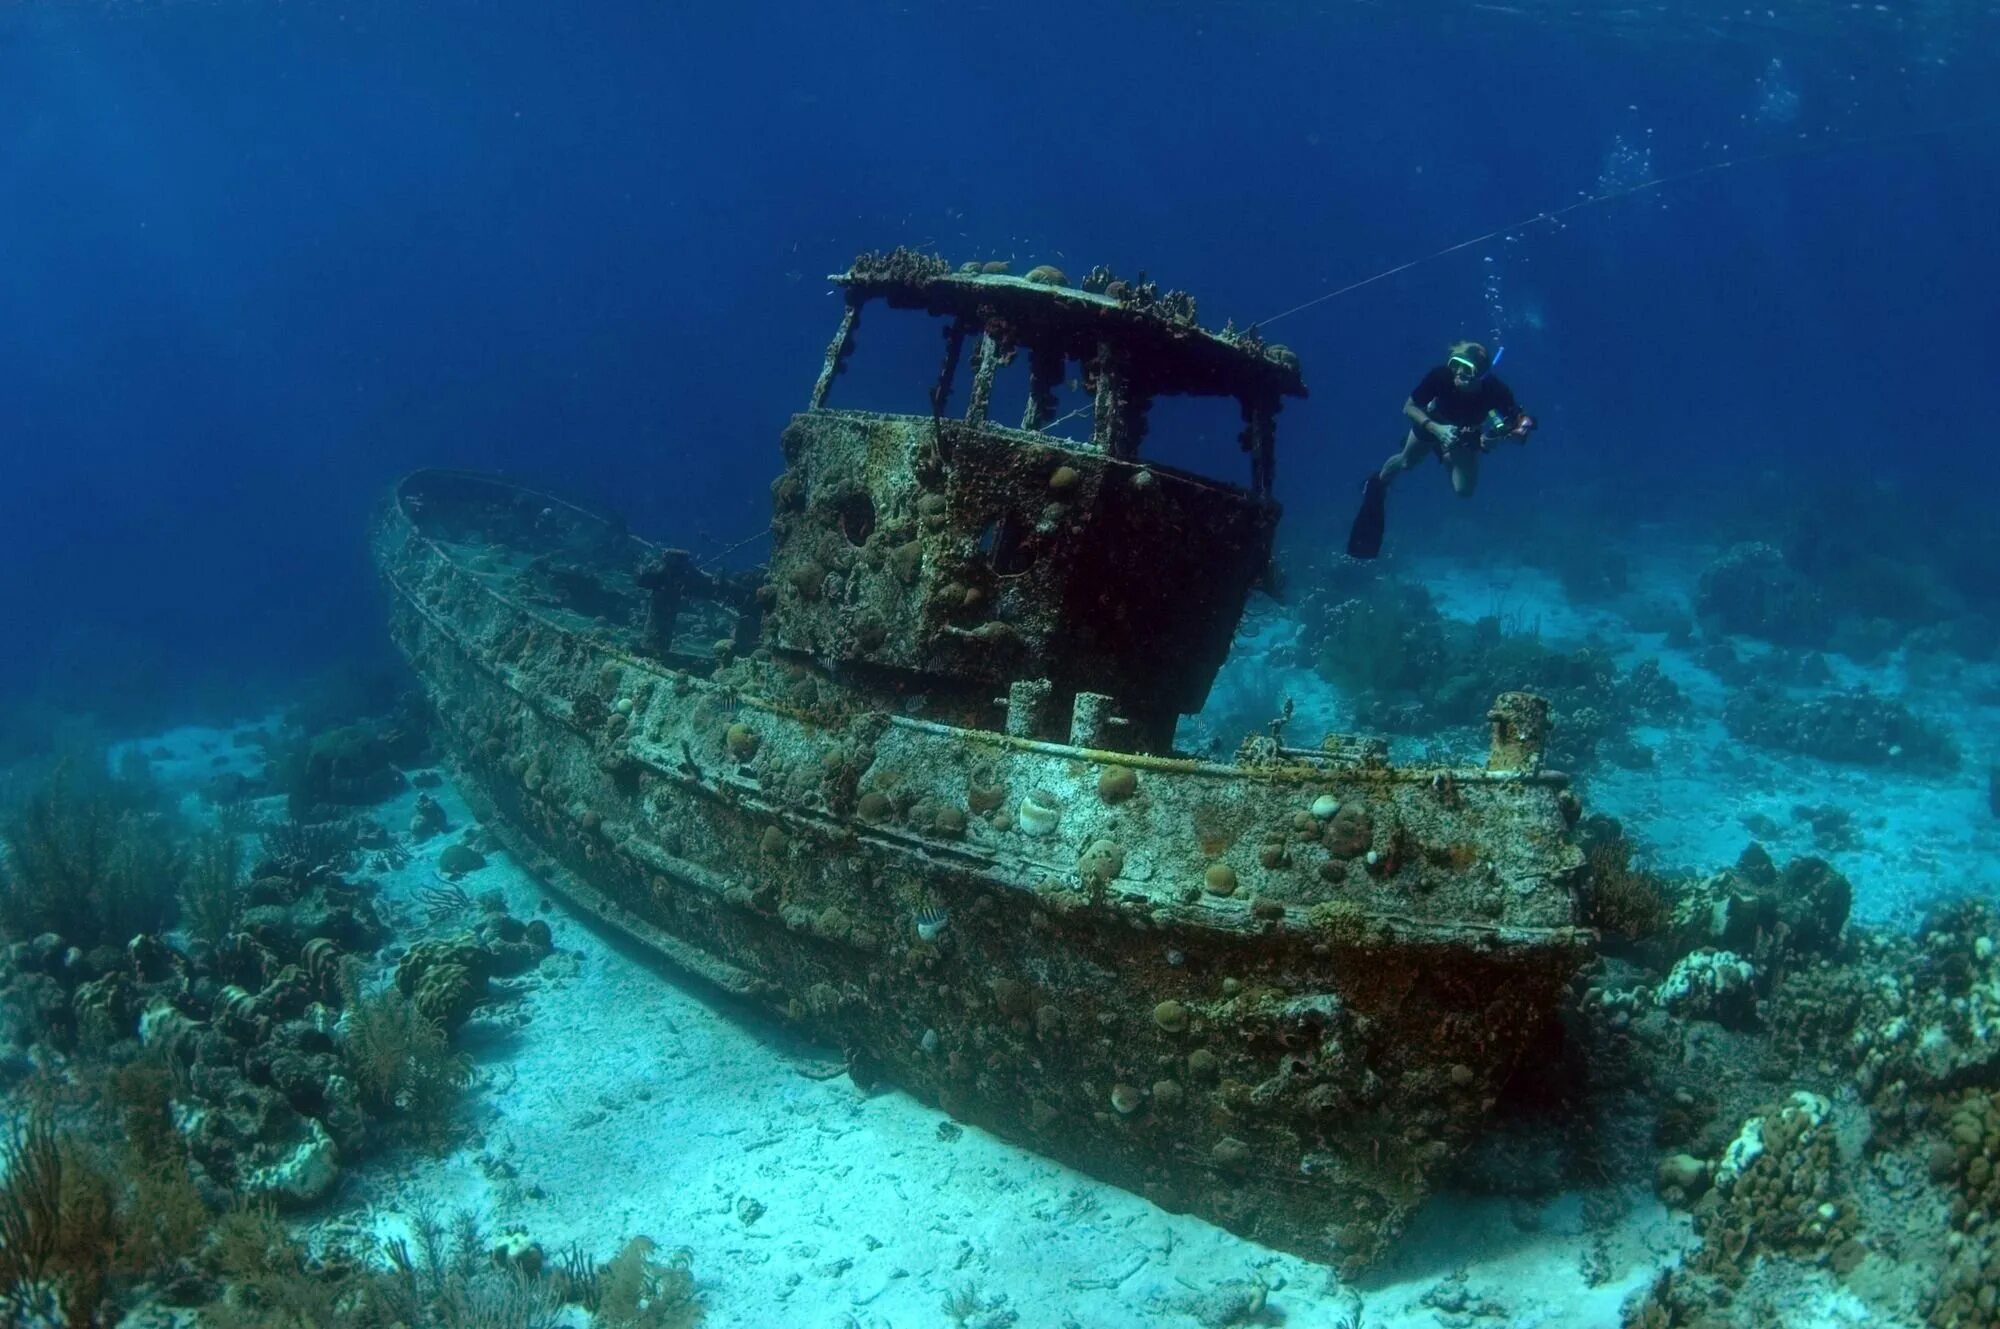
(1441, 401)
(1467, 409)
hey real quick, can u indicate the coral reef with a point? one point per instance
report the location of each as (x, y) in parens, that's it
(245, 1059)
(1856, 727)
(1941, 1028)
(59, 1227)
(211, 889)
(351, 766)
(1754, 1126)
(85, 865)
(1857, 568)
(900, 265)
(1776, 1188)
(1752, 590)
(1626, 903)
(1765, 913)
(446, 1275)
(1720, 1058)
(1409, 669)
(246, 1032)
(399, 1053)
(1711, 985)
(447, 978)
(638, 1291)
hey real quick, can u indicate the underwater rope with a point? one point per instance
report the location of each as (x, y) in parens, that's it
(706, 563)
(1656, 182)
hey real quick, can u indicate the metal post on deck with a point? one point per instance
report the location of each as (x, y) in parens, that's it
(982, 380)
(954, 349)
(836, 354)
(1045, 371)
(1104, 405)
(1118, 412)
(1260, 440)
(1028, 706)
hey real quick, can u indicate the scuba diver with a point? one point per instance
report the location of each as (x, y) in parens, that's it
(1457, 412)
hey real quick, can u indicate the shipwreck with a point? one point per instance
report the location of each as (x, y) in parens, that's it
(912, 784)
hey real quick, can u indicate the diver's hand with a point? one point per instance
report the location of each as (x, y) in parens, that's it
(1446, 435)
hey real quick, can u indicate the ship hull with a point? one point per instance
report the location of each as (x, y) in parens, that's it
(1171, 974)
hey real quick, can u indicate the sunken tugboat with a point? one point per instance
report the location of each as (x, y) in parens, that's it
(915, 788)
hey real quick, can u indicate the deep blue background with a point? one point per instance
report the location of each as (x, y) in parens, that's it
(255, 260)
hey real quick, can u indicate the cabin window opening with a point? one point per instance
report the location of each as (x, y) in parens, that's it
(895, 365)
(1006, 552)
(1072, 406)
(854, 513)
(1196, 434)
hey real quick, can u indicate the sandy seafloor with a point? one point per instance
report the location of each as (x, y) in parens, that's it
(613, 1101)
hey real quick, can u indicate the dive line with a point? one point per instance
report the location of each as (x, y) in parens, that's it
(1711, 168)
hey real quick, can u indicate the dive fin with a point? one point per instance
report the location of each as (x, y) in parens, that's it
(1364, 539)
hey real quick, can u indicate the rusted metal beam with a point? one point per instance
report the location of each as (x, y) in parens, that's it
(1045, 371)
(982, 380)
(954, 350)
(837, 352)
(1260, 440)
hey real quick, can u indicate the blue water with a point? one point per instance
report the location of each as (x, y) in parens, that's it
(257, 260)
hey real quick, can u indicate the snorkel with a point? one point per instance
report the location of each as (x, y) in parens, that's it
(1472, 364)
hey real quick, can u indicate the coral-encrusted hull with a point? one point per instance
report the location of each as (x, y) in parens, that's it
(1279, 995)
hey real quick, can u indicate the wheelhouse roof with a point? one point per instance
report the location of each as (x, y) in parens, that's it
(1178, 356)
